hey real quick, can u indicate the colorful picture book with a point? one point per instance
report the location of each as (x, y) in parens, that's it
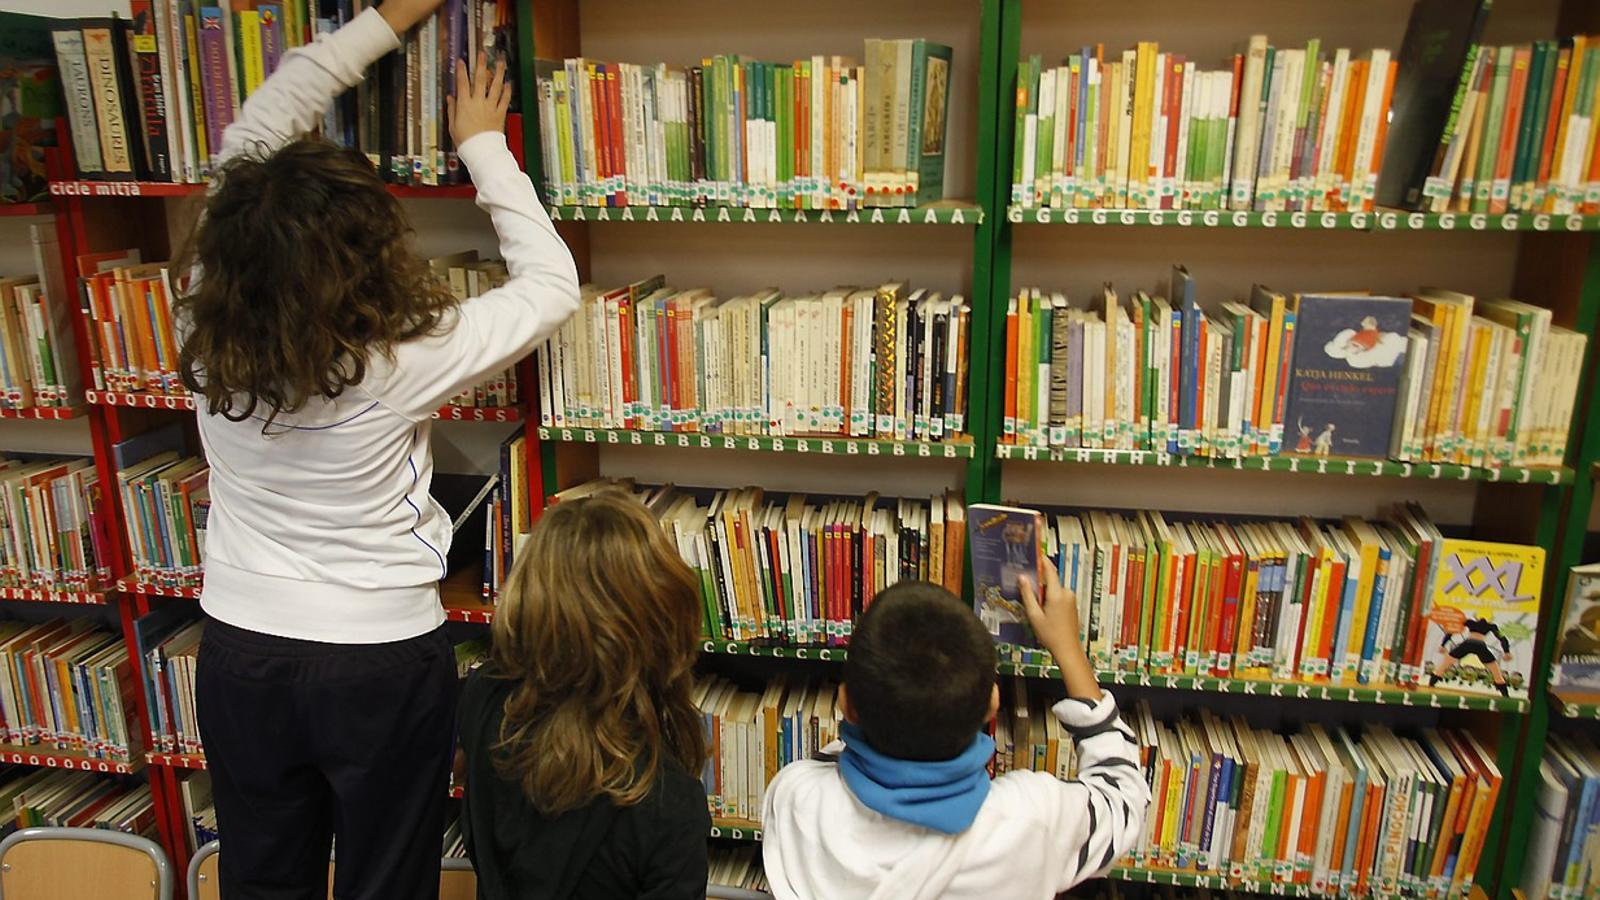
(1007, 545)
(1439, 377)
(1520, 134)
(1482, 616)
(30, 103)
(38, 349)
(1346, 374)
(1275, 129)
(821, 133)
(54, 525)
(148, 98)
(799, 569)
(889, 362)
(1577, 655)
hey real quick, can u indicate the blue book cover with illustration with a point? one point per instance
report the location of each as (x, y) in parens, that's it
(1349, 360)
(1005, 543)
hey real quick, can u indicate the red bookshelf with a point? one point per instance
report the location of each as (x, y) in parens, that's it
(26, 209)
(44, 413)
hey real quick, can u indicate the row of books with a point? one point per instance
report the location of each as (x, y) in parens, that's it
(510, 518)
(54, 525)
(821, 133)
(38, 351)
(752, 734)
(127, 308)
(1297, 129)
(67, 684)
(148, 98)
(1520, 135)
(1561, 859)
(40, 797)
(467, 277)
(800, 569)
(166, 501)
(1342, 811)
(887, 362)
(1391, 601)
(1437, 377)
(736, 867)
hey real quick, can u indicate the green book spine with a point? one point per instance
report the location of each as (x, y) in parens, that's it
(1269, 838)
(1023, 86)
(1527, 128)
(915, 124)
(1489, 149)
(1160, 655)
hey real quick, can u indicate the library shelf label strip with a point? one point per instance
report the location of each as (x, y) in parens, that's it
(147, 400)
(49, 760)
(947, 214)
(177, 592)
(1378, 468)
(1382, 220)
(825, 446)
(733, 831)
(1212, 880)
(177, 760)
(42, 595)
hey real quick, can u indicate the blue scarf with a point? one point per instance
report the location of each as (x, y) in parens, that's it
(944, 795)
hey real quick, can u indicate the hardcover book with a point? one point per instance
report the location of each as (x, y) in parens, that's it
(1577, 663)
(1349, 361)
(1005, 544)
(1482, 617)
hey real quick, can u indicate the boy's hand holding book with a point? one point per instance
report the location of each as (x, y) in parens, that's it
(480, 102)
(1055, 622)
(403, 14)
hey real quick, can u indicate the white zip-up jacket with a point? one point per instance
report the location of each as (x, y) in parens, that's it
(1034, 837)
(322, 528)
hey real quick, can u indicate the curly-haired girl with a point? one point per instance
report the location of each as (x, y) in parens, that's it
(318, 345)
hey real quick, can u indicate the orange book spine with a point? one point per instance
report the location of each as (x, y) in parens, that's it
(1341, 826)
(1308, 827)
(1505, 154)
(1355, 98)
(1383, 130)
(1558, 90)
(1371, 824)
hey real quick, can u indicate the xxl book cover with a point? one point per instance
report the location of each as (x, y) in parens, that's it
(1482, 617)
(1005, 544)
(1349, 358)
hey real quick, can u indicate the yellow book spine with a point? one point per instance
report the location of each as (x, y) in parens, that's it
(1358, 620)
(1027, 366)
(249, 34)
(1269, 378)
(1466, 449)
(1318, 609)
(1169, 837)
(1436, 431)
(1139, 150)
(1247, 613)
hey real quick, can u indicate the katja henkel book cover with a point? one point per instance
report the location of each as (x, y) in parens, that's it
(1349, 361)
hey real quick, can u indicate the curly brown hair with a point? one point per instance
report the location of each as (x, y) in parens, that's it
(599, 625)
(305, 269)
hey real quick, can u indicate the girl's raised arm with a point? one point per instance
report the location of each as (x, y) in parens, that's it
(294, 99)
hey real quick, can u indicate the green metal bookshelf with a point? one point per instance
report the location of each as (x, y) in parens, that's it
(1558, 264)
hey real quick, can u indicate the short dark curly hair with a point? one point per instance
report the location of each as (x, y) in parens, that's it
(305, 269)
(920, 672)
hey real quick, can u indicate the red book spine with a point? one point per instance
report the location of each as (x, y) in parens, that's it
(597, 104)
(1330, 616)
(630, 390)
(619, 159)
(1414, 622)
(1172, 99)
(1133, 599)
(1298, 649)
(1228, 624)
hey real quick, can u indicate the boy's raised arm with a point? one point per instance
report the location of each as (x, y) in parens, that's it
(1099, 816)
(294, 99)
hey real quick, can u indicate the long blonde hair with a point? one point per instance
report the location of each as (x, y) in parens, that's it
(599, 623)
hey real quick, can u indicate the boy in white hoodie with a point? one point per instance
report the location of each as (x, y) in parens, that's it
(903, 806)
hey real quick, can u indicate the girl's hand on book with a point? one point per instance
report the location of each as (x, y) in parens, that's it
(403, 14)
(480, 102)
(1056, 620)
